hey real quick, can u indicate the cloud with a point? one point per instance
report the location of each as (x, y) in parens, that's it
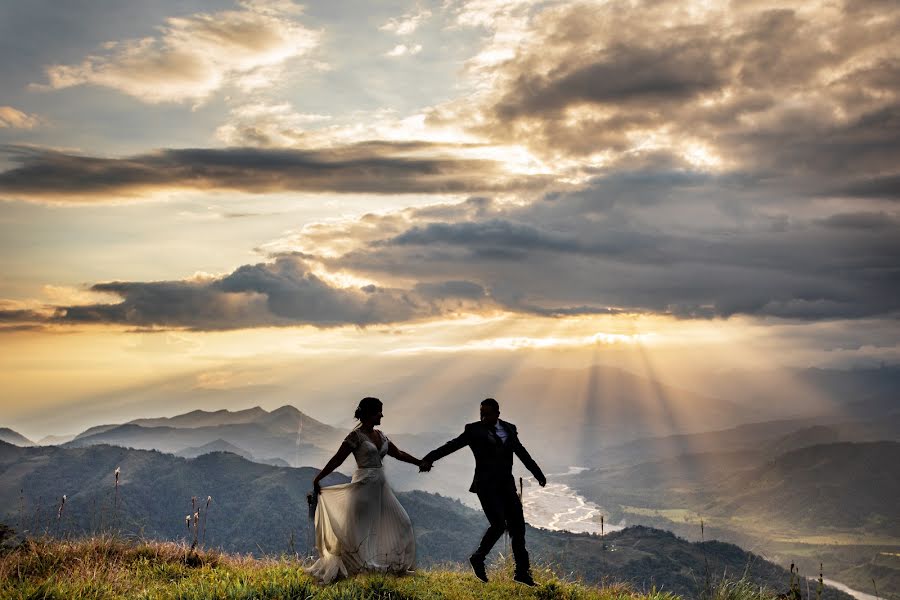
(408, 23)
(196, 55)
(264, 124)
(644, 243)
(374, 167)
(404, 50)
(14, 316)
(12, 118)
(710, 161)
(281, 293)
(805, 95)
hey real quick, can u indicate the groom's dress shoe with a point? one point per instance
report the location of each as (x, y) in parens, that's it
(525, 579)
(478, 567)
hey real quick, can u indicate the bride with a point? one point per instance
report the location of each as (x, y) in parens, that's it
(361, 526)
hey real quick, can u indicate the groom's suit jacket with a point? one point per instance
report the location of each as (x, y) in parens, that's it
(493, 457)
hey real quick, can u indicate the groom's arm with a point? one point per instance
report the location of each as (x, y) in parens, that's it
(461, 441)
(529, 463)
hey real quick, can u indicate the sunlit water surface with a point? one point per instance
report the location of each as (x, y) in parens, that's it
(559, 507)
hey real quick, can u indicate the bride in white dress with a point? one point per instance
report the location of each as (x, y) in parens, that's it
(361, 526)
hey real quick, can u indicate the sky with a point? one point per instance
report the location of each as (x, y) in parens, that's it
(227, 194)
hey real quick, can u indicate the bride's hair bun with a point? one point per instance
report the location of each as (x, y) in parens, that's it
(367, 406)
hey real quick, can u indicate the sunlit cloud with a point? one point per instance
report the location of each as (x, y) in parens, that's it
(404, 50)
(722, 89)
(285, 292)
(699, 182)
(13, 118)
(281, 125)
(196, 55)
(265, 124)
(72, 296)
(407, 23)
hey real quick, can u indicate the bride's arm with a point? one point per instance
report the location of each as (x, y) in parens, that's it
(401, 455)
(339, 457)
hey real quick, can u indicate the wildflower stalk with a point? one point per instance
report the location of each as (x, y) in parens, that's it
(62, 506)
(820, 588)
(708, 581)
(196, 525)
(205, 517)
(22, 510)
(116, 501)
(795, 583)
(59, 513)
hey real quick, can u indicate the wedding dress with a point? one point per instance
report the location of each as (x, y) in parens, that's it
(361, 526)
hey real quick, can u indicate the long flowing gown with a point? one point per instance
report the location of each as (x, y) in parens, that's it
(361, 526)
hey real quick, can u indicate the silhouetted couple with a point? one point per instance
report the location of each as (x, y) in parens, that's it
(361, 526)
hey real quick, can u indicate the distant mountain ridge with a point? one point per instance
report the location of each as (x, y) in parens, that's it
(202, 418)
(217, 445)
(842, 485)
(283, 437)
(55, 440)
(285, 433)
(774, 437)
(13, 437)
(839, 485)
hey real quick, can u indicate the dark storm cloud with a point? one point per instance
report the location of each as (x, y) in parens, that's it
(379, 168)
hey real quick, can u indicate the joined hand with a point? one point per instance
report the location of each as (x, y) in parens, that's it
(424, 466)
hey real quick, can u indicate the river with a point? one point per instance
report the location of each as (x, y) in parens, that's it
(852, 592)
(559, 507)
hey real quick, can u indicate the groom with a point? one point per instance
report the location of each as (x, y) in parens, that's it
(493, 443)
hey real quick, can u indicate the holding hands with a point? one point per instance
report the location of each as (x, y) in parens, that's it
(425, 466)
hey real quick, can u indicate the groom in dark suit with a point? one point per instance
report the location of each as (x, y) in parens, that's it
(493, 442)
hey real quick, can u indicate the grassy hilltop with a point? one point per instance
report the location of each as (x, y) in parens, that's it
(105, 567)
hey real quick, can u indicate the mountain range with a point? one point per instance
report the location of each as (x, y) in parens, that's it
(572, 410)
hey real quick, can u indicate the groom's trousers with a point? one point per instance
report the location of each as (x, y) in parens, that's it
(503, 510)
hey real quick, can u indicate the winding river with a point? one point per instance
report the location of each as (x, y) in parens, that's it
(559, 507)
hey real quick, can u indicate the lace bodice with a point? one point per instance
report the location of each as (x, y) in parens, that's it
(366, 453)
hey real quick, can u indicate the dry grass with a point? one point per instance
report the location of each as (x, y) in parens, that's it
(106, 567)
